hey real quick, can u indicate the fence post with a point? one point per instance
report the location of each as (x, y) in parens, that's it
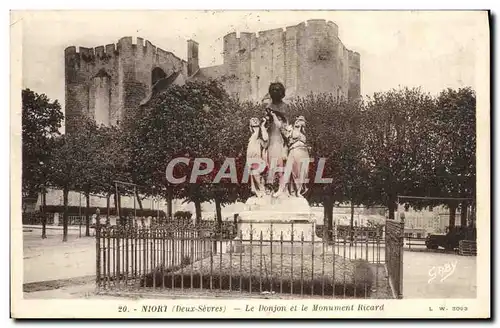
(387, 245)
(98, 250)
(401, 253)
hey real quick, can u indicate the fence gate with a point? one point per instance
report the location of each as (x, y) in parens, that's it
(394, 241)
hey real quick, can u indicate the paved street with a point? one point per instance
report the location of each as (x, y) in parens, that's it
(420, 267)
(50, 259)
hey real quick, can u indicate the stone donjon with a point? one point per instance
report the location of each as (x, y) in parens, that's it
(308, 57)
(104, 83)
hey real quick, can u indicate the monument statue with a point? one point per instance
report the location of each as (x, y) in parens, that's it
(276, 143)
(276, 112)
(281, 146)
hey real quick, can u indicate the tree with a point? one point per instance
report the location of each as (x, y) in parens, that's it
(397, 126)
(196, 120)
(230, 143)
(65, 170)
(77, 163)
(89, 180)
(334, 132)
(113, 161)
(41, 120)
(454, 125)
(353, 168)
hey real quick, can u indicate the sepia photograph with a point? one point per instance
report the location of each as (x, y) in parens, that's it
(265, 164)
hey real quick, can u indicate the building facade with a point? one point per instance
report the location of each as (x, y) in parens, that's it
(106, 82)
(429, 220)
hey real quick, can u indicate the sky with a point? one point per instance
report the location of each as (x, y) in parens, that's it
(433, 50)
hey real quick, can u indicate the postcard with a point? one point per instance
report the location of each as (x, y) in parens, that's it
(250, 164)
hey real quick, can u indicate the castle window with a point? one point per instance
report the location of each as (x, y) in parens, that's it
(100, 97)
(157, 74)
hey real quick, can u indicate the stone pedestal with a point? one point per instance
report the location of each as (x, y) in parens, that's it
(284, 224)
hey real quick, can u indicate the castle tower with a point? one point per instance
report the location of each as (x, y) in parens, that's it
(354, 75)
(106, 83)
(306, 58)
(193, 61)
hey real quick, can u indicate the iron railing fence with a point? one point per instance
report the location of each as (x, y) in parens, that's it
(394, 241)
(284, 259)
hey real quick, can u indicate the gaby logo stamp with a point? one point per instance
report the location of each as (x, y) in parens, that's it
(442, 272)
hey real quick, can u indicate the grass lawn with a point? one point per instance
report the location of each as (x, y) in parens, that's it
(298, 274)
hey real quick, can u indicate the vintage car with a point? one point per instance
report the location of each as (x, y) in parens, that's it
(450, 240)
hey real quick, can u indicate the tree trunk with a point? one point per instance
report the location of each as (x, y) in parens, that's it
(87, 214)
(463, 214)
(235, 221)
(65, 214)
(325, 214)
(44, 215)
(170, 197)
(328, 219)
(108, 208)
(218, 213)
(392, 206)
(351, 228)
(197, 206)
(473, 215)
(118, 205)
(115, 203)
(139, 200)
(453, 213)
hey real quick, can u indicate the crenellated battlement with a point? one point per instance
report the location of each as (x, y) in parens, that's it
(354, 59)
(124, 46)
(312, 25)
(99, 52)
(108, 81)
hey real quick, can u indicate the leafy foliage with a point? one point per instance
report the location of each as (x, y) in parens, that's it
(397, 125)
(41, 120)
(454, 126)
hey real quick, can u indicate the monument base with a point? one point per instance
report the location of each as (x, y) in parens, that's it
(281, 225)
